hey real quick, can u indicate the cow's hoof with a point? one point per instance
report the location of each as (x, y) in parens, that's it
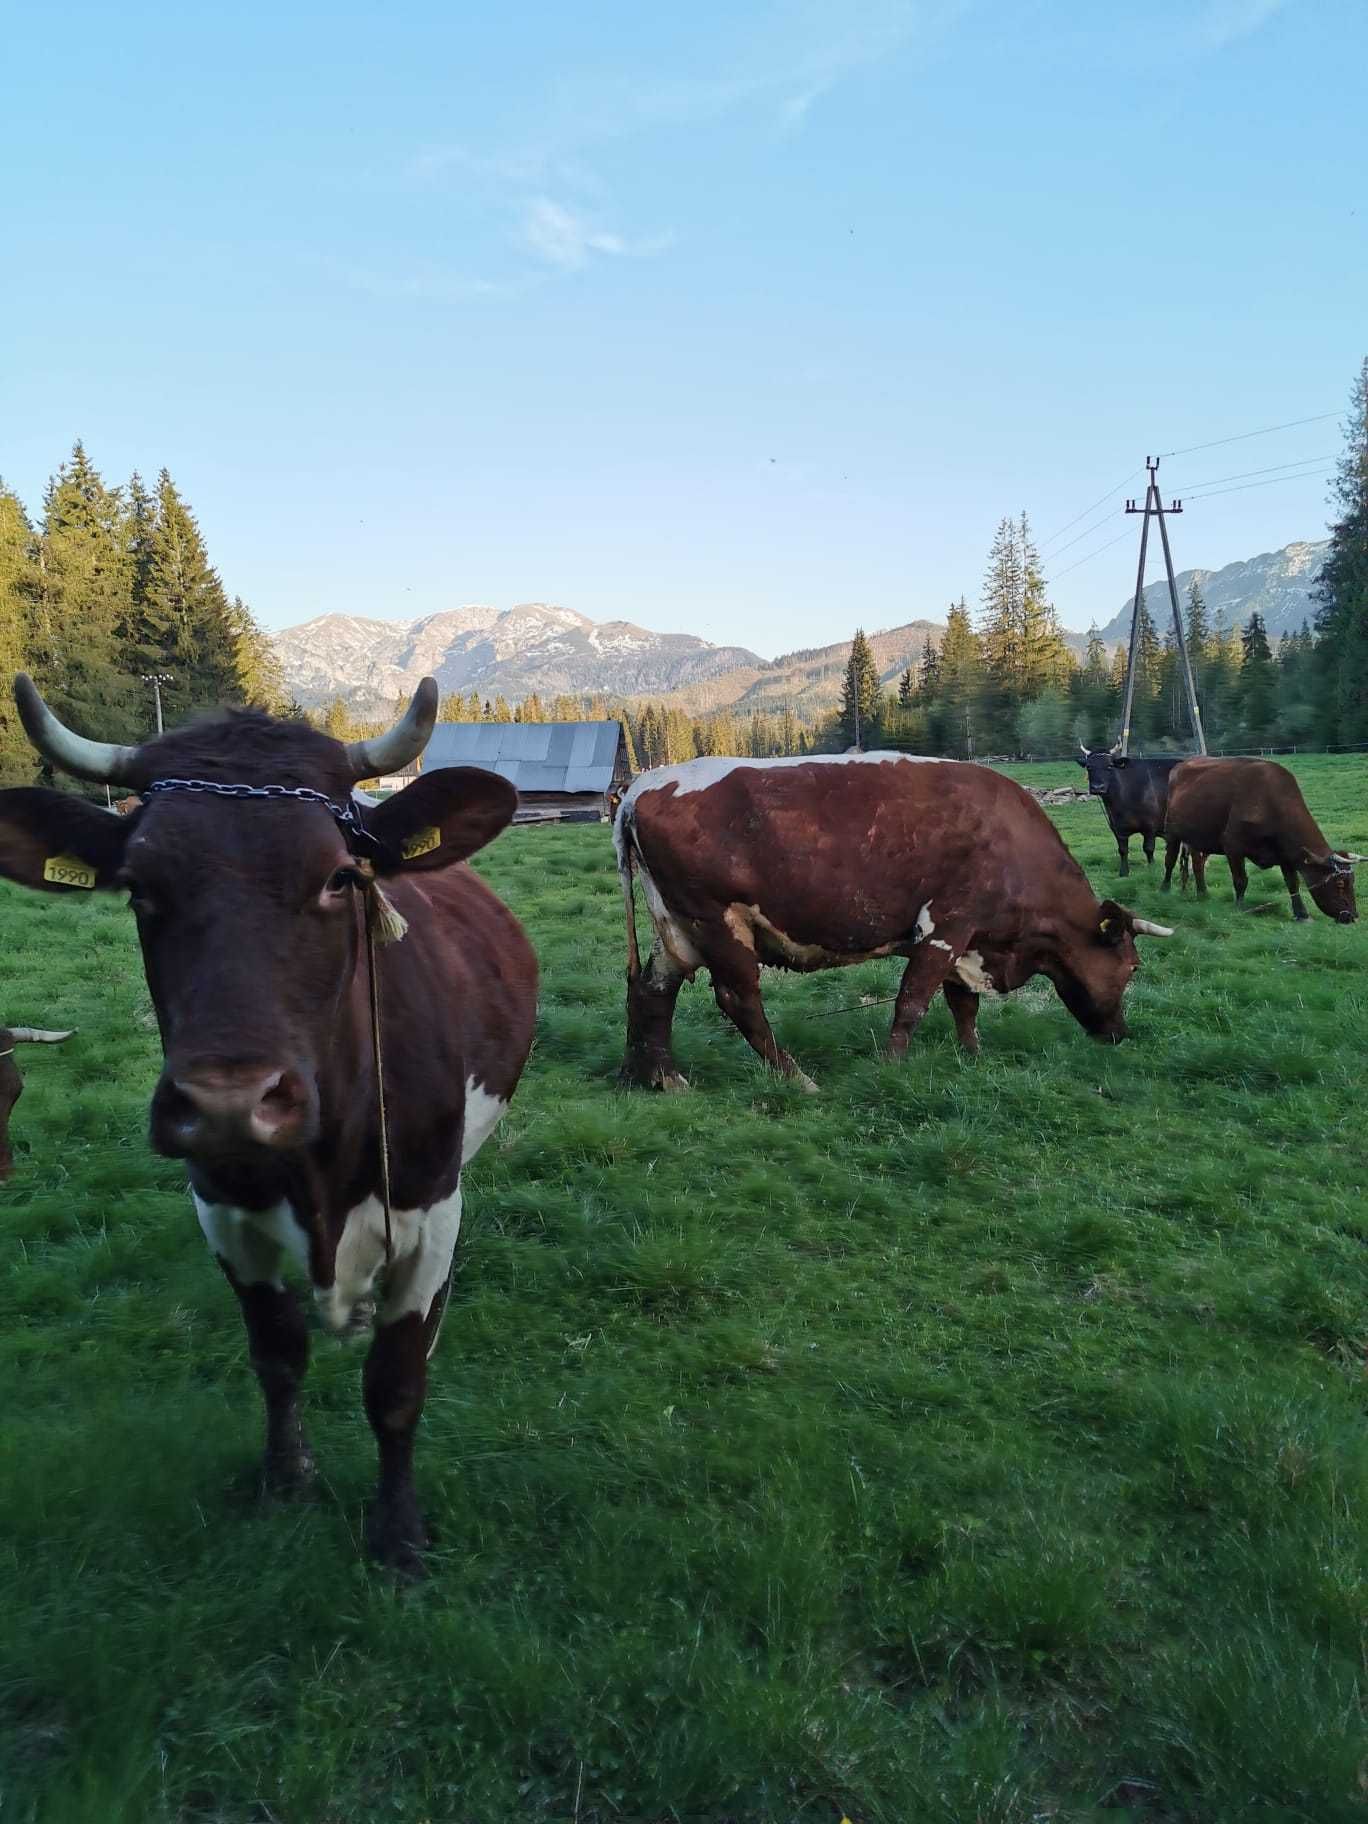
(397, 1540)
(1166, 886)
(668, 1081)
(278, 1476)
(805, 1083)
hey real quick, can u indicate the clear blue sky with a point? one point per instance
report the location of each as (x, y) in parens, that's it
(746, 321)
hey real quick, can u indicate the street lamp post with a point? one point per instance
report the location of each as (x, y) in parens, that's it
(156, 679)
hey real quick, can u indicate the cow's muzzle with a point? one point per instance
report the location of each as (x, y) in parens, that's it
(210, 1110)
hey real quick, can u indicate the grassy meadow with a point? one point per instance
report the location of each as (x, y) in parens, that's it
(978, 1443)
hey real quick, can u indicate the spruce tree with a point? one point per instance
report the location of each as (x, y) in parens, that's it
(1046, 661)
(1094, 692)
(1002, 630)
(18, 585)
(860, 695)
(928, 674)
(1258, 683)
(906, 689)
(186, 620)
(1342, 587)
(952, 717)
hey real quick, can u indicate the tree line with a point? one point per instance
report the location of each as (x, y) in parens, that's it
(108, 587)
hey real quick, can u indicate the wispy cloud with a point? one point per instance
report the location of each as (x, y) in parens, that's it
(568, 239)
(1222, 22)
(419, 281)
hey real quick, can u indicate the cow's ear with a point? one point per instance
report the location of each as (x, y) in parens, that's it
(59, 843)
(1120, 760)
(1113, 922)
(442, 817)
(1081, 760)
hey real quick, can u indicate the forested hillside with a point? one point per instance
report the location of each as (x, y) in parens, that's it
(109, 586)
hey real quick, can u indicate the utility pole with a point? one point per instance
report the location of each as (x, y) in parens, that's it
(156, 679)
(1154, 508)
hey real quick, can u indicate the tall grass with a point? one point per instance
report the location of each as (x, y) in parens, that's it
(981, 1441)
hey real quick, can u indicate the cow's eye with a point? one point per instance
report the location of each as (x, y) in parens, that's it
(139, 899)
(342, 879)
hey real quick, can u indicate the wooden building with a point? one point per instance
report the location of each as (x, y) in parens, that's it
(573, 772)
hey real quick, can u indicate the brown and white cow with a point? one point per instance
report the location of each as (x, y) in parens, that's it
(12, 1084)
(833, 859)
(1253, 810)
(249, 874)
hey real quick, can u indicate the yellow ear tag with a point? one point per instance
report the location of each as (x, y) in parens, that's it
(68, 871)
(1105, 925)
(422, 842)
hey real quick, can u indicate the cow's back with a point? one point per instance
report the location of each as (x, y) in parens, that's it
(1252, 807)
(842, 852)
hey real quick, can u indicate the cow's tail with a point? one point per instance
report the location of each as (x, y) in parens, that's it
(623, 838)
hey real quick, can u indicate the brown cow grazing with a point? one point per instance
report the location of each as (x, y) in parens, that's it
(1253, 810)
(834, 859)
(252, 871)
(12, 1084)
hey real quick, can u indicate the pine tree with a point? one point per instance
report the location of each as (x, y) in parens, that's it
(1258, 683)
(860, 695)
(1342, 588)
(928, 674)
(83, 601)
(950, 727)
(906, 689)
(1002, 632)
(1094, 692)
(18, 585)
(185, 621)
(1046, 662)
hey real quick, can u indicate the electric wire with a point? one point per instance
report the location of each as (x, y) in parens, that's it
(1272, 468)
(1272, 481)
(1088, 556)
(1243, 436)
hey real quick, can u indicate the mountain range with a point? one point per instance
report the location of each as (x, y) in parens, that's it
(539, 647)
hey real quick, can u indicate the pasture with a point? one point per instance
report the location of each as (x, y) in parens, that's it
(978, 1443)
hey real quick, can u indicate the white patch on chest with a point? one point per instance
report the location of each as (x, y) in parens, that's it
(698, 775)
(971, 971)
(251, 1242)
(925, 923)
(424, 1242)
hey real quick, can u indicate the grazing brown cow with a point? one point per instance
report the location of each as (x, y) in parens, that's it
(12, 1084)
(1253, 810)
(252, 872)
(834, 859)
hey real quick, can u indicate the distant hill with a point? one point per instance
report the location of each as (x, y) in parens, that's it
(1278, 584)
(536, 646)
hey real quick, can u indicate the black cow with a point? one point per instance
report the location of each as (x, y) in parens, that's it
(1134, 794)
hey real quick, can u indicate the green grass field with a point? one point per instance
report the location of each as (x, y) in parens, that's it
(979, 1443)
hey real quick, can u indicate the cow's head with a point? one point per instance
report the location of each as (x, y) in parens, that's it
(250, 909)
(1331, 881)
(1102, 765)
(11, 1083)
(1092, 968)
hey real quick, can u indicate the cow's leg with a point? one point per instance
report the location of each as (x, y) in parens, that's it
(1123, 850)
(1239, 876)
(277, 1339)
(648, 1062)
(394, 1381)
(928, 969)
(1293, 881)
(1171, 849)
(964, 1005)
(736, 989)
(1199, 862)
(1148, 841)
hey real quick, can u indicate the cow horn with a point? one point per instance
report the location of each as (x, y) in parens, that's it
(394, 749)
(35, 1035)
(101, 762)
(1082, 750)
(1116, 749)
(1145, 927)
(1351, 858)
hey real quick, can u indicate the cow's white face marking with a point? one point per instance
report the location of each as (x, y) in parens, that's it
(483, 1113)
(252, 1241)
(698, 775)
(971, 972)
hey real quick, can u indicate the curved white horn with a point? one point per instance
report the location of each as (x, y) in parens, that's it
(35, 1035)
(1144, 927)
(1082, 750)
(101, 762)
(394, 749)
(1116, 749)
(1351, 858)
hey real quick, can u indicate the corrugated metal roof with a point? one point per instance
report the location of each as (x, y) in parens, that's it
(533, 756)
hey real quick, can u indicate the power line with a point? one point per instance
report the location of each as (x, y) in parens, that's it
(1244, 486)
(1272, 469)
(1088, 557)
(1243, 436)
(1129, 476)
